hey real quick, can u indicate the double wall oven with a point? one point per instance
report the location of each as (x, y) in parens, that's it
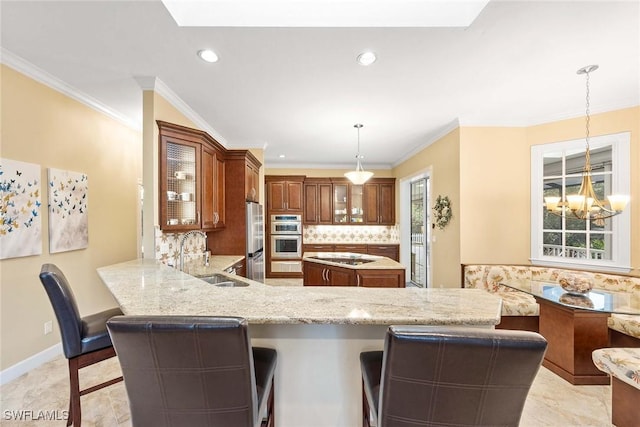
(286, 243)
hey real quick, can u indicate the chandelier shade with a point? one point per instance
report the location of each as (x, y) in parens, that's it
(358, 176)
(586, 205)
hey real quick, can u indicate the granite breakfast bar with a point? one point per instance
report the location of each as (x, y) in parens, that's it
(318, 331)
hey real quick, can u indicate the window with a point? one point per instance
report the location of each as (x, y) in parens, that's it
(556, 170)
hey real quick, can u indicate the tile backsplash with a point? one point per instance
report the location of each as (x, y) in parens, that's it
(168, 247)
(351, 234)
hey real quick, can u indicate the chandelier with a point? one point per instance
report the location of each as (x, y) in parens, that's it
(358, 176)
(585, 205)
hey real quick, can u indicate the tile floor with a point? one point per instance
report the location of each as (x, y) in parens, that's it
(552, 401)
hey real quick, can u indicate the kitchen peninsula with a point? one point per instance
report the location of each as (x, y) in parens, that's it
(317, 331)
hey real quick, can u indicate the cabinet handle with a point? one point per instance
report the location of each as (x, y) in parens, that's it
(357, 280)
(198, 215)
(323, 278)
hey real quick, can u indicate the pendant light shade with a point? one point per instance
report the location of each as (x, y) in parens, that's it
(358, 176)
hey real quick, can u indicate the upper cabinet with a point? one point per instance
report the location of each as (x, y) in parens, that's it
(347, 203)
(379, 198)
(191, 178)
(284, 194)
(318, 201)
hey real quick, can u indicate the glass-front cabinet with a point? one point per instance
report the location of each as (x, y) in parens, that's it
(191, 178)
(347, 203)
(182, 195)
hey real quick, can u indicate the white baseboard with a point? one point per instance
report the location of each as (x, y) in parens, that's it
(13, 372)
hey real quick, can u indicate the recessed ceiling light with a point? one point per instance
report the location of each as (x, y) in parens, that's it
(282, 156)
(366, 58)
(208, 55)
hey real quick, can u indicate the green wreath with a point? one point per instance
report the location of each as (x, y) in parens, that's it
(443, 213)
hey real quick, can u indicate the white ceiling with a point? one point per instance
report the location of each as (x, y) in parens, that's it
(298, 91)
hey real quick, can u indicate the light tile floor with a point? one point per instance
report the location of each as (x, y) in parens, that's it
(551, 402)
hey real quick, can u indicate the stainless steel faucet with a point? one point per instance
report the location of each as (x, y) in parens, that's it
(184, 237)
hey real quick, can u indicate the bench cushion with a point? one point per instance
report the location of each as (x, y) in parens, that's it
(622, 363)
(625, 323)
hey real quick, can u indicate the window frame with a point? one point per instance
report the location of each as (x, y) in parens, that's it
(620, 184)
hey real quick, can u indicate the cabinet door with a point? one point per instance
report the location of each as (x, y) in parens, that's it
(356, 200)
(208, 188)
(276, 196)
(318, 203)
(341, 276)
(340, 204)
(213, 194)
(220, 196)
(313, 274)
(379, 203)
(389, 251)
(381, 278)
(294, 196)
(252, 178)
(325, 204)
(387, 203)
(180, 176)
(310, 213)
(371, 203)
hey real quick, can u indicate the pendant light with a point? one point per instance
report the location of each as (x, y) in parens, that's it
(358, 176)
(585, 205)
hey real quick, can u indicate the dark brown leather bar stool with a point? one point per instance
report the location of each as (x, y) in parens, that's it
(85, 340)
(194, 371)
(436, 376)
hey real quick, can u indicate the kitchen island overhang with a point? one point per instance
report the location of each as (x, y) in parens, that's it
(318, 331)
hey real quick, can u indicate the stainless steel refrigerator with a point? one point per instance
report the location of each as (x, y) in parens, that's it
(255, 242)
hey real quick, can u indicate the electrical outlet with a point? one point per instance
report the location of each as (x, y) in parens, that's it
(48, 327)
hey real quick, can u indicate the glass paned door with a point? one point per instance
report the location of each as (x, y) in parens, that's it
(420, 232)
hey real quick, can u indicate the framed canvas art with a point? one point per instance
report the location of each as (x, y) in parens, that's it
(68, 210)
(20, 208)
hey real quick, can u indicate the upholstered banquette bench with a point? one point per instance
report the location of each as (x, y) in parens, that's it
(623, 364)
(520, 310)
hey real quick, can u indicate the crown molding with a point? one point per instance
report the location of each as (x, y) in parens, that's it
(28, 69)
(337, 166)
(161, 88)
(454, 124)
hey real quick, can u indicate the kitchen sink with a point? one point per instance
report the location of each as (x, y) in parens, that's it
(223, 281)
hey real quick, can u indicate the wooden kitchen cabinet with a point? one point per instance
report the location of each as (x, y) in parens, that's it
(389, 251)
(284, 194)
(379, 201)
(191, 175)
(347, 203)
(315, 274)
(354, 248)
(213, 193)
(317, 247)
(318, 201)
(252, 183)
(381, 278)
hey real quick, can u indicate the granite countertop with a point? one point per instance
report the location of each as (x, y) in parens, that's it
(377, 262)
(145, 287)
(217, 263)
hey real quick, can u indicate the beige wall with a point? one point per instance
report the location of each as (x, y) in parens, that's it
(42, 126)
(495, 174)
(494, 196)
(443, 159)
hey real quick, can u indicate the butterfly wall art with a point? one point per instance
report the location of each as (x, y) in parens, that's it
(20, 209)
